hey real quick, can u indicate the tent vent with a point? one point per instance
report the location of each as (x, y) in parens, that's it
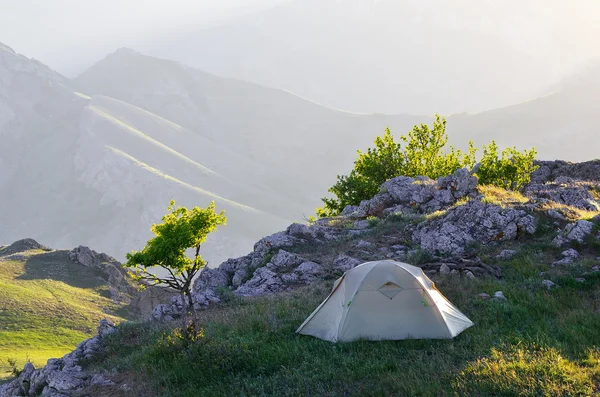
(390, 289)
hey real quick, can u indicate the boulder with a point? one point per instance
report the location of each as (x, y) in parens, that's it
(499, 296)
(344, 263)
(576, 231)
(473, 222)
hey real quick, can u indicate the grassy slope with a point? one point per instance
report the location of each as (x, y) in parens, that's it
(538, 342)
(48, 305)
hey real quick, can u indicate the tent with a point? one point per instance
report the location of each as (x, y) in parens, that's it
(384, 300)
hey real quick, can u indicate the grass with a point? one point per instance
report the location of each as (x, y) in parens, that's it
(538, 343)
(47, 306)
(499, 196)
(569, 212)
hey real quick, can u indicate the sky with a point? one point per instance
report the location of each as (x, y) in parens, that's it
(68, 34)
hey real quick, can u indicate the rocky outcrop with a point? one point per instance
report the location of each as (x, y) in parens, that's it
(567, 191)
(119, 287)
(420, 195)
(473, 222)
(549, 171)
(63, 376)
(21, 246)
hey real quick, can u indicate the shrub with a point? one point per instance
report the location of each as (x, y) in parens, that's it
(512, 170)
(420, 153)
(423, 153)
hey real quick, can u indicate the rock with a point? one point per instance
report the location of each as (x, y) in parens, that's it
(596, 268)
(444, 269)
(580, 280)
(285, 260)
(568, 257)
(239, 277)
(274, 241)
(454, 271)
(570, 253)
(105, 328)
(499, 295)
(298, 230)
(308, 271)
(470, 223)
(84, 256)
(506, 254)
(576, 231)
(469, 275)
(483, 296)
(362, 244)
(548, 284)
(579, 230)
(362, 224)
(263, 281)
(350, 210)
(345, 263)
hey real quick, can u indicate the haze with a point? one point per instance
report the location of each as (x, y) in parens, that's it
(70, 35)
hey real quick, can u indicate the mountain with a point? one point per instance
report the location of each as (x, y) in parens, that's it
(386, 56)
(562, 124)
(96, 160)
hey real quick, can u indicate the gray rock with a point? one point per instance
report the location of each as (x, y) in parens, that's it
(506, 254)
(483, 296)
(444, 269)
(345, 262)
(580, 280)
(362, 244)
(274, 241)
(576, 231)
(472, 222)
(263, 281)
(499, 295)
(299, 230)
(362, 224)
(350, 210)
(285, 260)
(469, 275)
(570, 253)
(548, 284)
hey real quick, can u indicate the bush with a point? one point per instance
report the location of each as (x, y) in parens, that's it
(511, 171)
(422, 153)
(419, 153)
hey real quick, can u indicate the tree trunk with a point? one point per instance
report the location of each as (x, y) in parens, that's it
(184, 316)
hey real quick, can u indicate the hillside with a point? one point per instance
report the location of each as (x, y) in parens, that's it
(111, 148)
(522, 266)
(137, 131)
(50, 302)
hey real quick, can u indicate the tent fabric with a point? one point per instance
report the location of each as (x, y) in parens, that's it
(384, 300)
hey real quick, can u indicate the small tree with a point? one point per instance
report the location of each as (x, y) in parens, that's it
(180, 230)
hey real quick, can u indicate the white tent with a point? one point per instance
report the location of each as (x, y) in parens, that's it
(384, 300)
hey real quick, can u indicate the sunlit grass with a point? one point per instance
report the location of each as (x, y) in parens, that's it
(569, 212)
(47, 307)
(499, 196)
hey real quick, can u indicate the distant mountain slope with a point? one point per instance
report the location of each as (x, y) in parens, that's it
(300, 145)
(561, 125)
(48, 303)
(388, 56)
